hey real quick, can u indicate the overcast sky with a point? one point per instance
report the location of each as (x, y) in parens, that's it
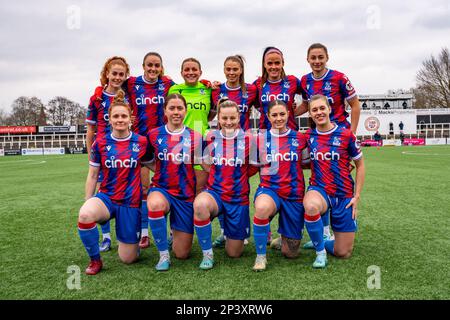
(57, 48)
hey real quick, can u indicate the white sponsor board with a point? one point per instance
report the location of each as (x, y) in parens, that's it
(2, 152)
(32, 152)
(372, 120)
(435, 141)
(42, 151)
(53, 151)
(389, 142)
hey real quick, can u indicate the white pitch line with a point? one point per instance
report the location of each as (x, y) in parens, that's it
(425, 154)
(37, 162)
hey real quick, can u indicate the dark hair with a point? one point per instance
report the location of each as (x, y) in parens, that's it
(156, 54)
(119, 100)
(239, 59)
(274, 103)
(267, 51)
(173, 96)
(317, 46)
(225, 102)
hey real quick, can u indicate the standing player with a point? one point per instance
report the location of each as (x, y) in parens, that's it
(227, 189)
(274, 84)
(173, 185)
(117, 155)
(199, 111)
(235, 89)
(114, 73)
(338, 89)
(331, 187)
(147, 95)
(282, 185)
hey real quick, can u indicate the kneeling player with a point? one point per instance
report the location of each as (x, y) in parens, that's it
(118, 156)
(331, 185)
(282, 185)
(175, 147)
(227, 188)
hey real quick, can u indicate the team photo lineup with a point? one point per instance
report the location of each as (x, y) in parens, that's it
(163, 175)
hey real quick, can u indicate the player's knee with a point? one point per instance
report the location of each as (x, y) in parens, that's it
(155, 205)
(262, 212)
(343, 253)
(201, 210)
(290, 251)
(234, 253)
(181, 254)
(128, 258)
(85, 216)
(311, 208)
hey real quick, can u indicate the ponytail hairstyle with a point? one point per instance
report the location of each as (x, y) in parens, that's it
(267, 51)
(316, 97)
(156, 54)
(239, 59)
(317, 46)
(107, 66)
(119, 100)
(225, 102)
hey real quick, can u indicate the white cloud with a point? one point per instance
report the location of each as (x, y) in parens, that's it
(379, 44)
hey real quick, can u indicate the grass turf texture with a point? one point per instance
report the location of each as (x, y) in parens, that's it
(403, 229)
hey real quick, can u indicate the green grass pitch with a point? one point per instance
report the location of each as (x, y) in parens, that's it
(404, 227)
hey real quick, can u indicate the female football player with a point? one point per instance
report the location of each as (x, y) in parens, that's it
(118, 156)
(338, 89)
(244, 95)
(115, 71)
(176, 148)
(282, 184)
(331, 187)
(227, 189)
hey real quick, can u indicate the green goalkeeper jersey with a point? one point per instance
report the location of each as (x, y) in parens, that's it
(198, 99)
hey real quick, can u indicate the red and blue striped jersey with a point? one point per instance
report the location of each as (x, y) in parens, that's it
(175, 154)
(147, 102)
(285, 90)
(97, 113)
(120, 163)
(229, 158)
(331, 153)
(336, 87)
(244, 101)
(281, 157)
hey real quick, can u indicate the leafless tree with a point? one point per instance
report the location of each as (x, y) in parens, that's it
(433, 82)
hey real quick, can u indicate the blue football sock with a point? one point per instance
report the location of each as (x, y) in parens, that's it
(88, 233)
(221, 221)
(158, 225)
(106, 228)
(261, 230)
(144, 215)
(203, 230)
(314, 226)
(329, 246)
(326, 218)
